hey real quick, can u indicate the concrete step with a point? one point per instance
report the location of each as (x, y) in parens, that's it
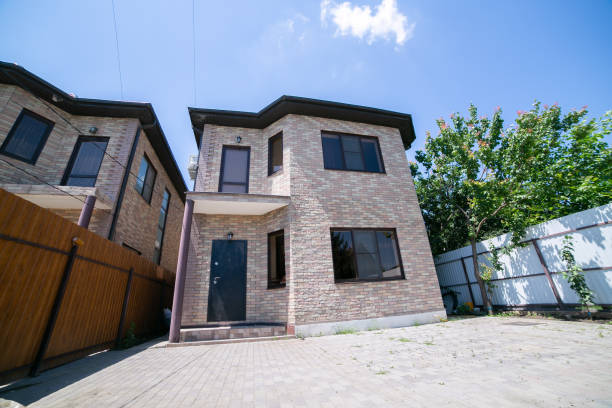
(240, 331)
(224, 341)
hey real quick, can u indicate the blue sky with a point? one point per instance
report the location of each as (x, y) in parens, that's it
(427, 58)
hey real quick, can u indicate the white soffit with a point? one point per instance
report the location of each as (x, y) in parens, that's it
(64, 202)
(236, 205)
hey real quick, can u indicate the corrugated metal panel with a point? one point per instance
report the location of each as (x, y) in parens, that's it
(599, 282)
(522, 291)
(450, 273)
(593, 249)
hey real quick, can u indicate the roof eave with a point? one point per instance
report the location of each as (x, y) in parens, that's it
(302, 106)
(16, 75)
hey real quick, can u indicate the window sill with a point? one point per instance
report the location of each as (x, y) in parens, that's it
(21, 159)
(141, 196)
(277, 172)
(359, 171)
(276, 286)
(351, 281)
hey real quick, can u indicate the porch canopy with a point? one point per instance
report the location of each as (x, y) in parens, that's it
(236, 203)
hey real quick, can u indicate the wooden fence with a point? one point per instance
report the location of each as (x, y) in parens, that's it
(66, 292)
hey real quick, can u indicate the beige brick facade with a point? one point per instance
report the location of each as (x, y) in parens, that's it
(136, 225)
(320, 199)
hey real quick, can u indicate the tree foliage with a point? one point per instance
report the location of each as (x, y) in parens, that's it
(480, 180)
(575, 275)
(556, 164)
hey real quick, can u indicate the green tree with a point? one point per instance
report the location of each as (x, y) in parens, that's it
(480, 180)
(575, 275)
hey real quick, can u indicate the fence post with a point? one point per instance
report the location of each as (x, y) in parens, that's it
(467, 279)
(560, 304)
(61, 291)
(179, 280)
(86, 211)
(126, 297)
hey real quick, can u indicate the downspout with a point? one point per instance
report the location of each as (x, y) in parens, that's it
(124, 182)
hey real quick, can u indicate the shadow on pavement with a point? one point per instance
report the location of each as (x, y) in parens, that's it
(31, 389)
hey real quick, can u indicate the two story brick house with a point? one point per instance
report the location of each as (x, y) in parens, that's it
(304, 216)
(60, 151)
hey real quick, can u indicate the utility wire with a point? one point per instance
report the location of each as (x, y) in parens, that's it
(155, 190)
(79, 131)
(41, 180)
(117, 46)
(193, 42)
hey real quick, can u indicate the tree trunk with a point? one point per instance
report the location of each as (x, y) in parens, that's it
(483, 291)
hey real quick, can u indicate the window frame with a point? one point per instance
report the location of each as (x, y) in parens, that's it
(248, 165)
(149, 167)
(381, 278)
(163, 228)
(274, 285)
(271, 140)
(340, 134)
(41, 144)
(73, 157)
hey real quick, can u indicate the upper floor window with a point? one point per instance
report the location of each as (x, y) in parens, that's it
(146, 179)
(161, 227)
(275, 153)
(234, 176)
(365, 254)
(27, 137)
(85, 161)
(351, 152)
(276, 259)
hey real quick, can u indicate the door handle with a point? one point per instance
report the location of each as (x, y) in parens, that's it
(215, 279)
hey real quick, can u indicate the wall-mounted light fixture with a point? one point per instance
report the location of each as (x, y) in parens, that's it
(93, 129)
(230, 235)
(238, 139)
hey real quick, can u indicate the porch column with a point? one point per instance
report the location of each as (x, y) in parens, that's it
(86, 211)
(179, 282)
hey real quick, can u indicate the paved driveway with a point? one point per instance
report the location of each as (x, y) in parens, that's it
(481, 362)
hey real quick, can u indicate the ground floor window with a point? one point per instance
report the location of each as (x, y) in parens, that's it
(276, 259)
(365, 254)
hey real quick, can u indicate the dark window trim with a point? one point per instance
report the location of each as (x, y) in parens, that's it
(146, 157)
(73, 157)
(340, 134)
(399, 256)
(270, 141)
(131, 248)
(40, 146)
(274, 285)
(248, 175)
(163, 229)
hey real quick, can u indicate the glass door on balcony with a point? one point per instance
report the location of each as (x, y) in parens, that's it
(234, 177)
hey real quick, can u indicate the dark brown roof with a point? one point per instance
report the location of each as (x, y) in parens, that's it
(16, 75)
(286, 105)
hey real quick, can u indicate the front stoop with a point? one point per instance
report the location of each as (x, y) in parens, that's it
(242, 331)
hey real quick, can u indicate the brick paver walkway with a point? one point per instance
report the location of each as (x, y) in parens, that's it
(482, 362)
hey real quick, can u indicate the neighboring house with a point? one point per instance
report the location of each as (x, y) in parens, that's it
(56, 150)
(304, 215)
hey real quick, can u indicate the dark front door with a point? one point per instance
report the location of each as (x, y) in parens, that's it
(227, 293)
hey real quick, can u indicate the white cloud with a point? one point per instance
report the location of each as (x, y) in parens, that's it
(359, 21)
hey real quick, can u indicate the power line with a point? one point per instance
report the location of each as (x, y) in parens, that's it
(41, 180)
(155, 190)
(79, 131)
(193, 40)
(117, 46)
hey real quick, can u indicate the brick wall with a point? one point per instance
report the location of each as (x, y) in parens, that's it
(263, 304)
(138, 220)
(137, 223)
(209, 164)
(320, 199)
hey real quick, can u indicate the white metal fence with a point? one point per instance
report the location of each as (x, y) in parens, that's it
(531, 275)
